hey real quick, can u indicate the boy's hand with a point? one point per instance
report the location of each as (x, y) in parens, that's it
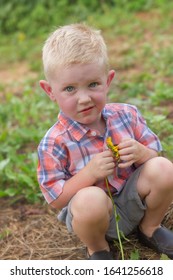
(131, 151)
(101, 165)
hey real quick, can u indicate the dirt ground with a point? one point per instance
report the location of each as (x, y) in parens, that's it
(33, 232)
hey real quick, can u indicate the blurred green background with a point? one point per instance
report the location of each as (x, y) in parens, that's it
(140, 44)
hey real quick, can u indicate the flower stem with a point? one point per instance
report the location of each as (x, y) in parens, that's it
(116, 220)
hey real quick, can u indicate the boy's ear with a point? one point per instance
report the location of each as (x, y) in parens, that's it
(47, 88)
(110, 77)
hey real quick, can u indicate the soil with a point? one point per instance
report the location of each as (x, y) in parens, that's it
(32, 232)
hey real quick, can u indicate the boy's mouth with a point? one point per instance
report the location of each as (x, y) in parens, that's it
(87, 109)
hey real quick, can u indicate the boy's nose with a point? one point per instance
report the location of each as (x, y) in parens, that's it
(84, 98)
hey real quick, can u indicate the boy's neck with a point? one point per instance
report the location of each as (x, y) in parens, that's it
(100, 126)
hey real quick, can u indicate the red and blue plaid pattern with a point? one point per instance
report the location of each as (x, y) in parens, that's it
(68, 146)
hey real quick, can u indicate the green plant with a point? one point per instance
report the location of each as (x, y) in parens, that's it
(140, 50)
(114, 149)
(134, 255)
(21, 130)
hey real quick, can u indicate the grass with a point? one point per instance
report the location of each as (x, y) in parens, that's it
(141, 52)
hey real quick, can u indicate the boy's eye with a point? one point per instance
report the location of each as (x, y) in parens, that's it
(69, 88)
(94, 84)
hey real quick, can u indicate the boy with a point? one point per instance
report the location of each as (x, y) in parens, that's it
(74, 159)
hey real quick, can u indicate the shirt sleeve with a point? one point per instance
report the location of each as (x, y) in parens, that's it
(143, 133)
(51, 174)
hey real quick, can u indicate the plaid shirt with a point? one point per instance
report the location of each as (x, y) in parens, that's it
(68, 146)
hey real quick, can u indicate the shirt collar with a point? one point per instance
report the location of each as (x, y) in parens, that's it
(76, 129)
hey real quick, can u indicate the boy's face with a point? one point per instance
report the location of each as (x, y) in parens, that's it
(80, 91)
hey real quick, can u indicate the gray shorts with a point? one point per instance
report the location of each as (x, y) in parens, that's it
(129, 208)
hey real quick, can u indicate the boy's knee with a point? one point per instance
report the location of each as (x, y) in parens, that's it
(160, 169)
(90, 202)
(163, 167)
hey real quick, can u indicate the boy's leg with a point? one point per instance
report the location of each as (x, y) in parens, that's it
(91, 209)
(155, 186)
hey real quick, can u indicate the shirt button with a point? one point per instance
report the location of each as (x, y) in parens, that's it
(93, 133)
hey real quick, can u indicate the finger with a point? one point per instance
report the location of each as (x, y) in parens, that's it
(126, 151)
(110, 165)
(125, 164)
(125, 142)
(107, 153)
(125, 158)
(109, 172)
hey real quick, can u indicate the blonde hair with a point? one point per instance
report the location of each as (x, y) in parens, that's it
(72, 44)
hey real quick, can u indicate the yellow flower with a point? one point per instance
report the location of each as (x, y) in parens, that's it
(21, 36)
(113, 148)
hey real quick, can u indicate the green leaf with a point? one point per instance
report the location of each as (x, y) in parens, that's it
(10, 174)
(117, 218)
(26, 179)
(3, 194)
(134, 255)
(164, 257)
(3, 163)
(11, 191)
